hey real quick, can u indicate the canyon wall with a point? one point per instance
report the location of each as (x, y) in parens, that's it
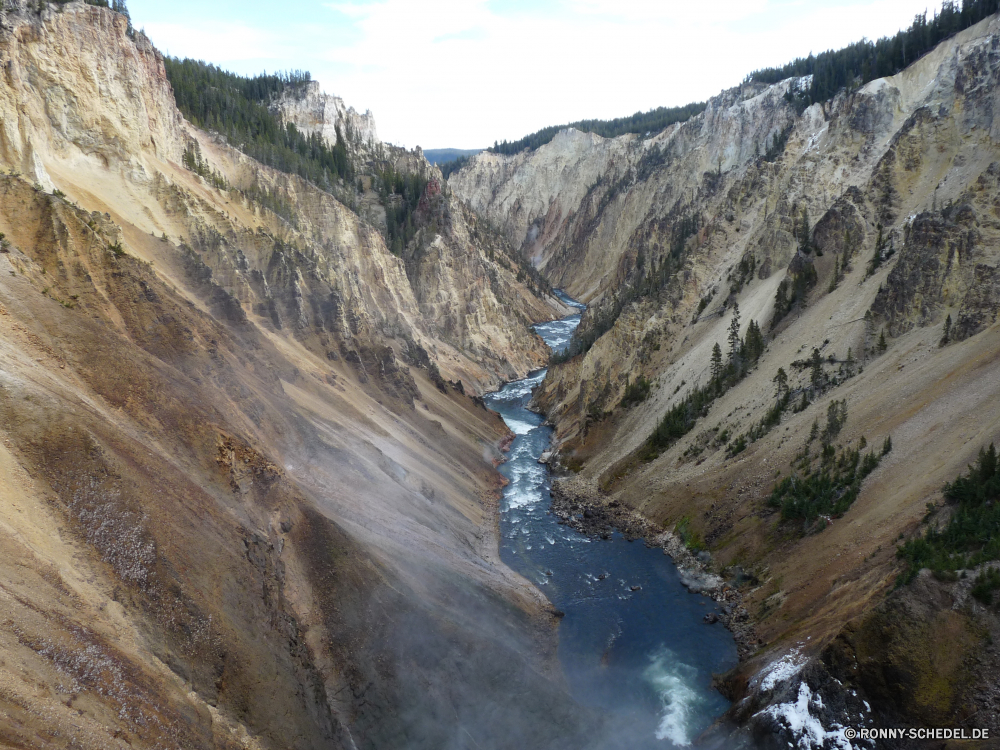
(248, 499)
(864, 228)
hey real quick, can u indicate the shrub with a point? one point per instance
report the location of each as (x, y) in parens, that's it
(636, 393)
(985, 584)
(972, 535)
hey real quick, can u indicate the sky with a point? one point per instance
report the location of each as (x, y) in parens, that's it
(466, 73)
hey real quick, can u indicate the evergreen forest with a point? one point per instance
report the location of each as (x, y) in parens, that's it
(864, 61)
(641, 122)
(237, 108)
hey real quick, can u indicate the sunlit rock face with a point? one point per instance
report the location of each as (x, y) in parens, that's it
(313, 111)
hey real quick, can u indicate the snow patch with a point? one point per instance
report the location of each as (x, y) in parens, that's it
(781, 670)
(806, 729)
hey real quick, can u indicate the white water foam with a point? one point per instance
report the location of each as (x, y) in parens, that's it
(673, 681)
(518, 427)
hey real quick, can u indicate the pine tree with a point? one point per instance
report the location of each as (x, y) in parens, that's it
(987, 463)
(734, 335)
(804, 243)
(753, 344)
(882, 346)
(781, 383)
(947, 331)
(817, 369)
(716, 363)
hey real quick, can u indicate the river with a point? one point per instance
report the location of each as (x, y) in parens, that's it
(633, 643)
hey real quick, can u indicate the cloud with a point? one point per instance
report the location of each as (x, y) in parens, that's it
(216, 41)
(464, 73)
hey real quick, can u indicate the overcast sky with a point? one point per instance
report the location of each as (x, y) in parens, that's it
(464, 73)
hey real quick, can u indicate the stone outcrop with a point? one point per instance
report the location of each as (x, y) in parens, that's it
(312, 110)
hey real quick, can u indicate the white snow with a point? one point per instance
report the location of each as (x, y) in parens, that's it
(783, 669)
(808, 732)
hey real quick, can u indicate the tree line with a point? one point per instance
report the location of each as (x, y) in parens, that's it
(652, 121)
(237, 108)
(864, 61)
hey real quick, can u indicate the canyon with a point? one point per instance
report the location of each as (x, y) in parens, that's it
(250, 494)
(877, 212)
(248, 500)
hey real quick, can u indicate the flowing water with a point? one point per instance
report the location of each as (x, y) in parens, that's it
(641, 655)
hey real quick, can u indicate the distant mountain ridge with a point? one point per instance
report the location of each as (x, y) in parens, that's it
(439, 156)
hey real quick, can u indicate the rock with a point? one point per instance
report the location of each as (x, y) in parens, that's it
(699, 582)
(710, 618)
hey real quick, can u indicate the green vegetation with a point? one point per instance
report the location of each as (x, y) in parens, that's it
(448, 168)
(777, 145)
(793, 290)
(971, 536)
(881, 254)
(636, 392)
(985, 584)
(236, 107)
(192, 160)
(681, 418)
(449, 160)
(691, 539)
(641, 122)
(865, 61)
(946, 338)
(819, 382)
(400, 194)
(816, 494)
(439, 156)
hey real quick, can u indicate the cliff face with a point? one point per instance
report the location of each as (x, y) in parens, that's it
(286, 251)
(313, 111)
(893, 281)
(242, 507)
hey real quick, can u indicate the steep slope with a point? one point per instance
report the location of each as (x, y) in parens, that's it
(283, 249)
(669, 234)
(241, 507)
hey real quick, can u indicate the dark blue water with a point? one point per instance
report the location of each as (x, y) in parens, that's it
(642, 656)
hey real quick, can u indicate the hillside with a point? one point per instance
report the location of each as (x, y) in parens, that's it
(248, 498)
(438, 156)
(865, 228)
